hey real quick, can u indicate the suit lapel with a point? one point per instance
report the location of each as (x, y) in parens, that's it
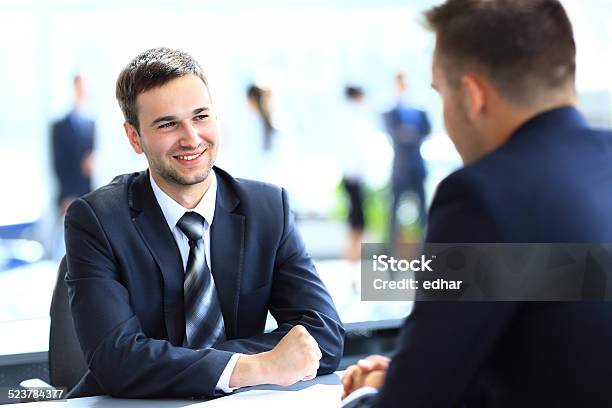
(227, 251)
(152, 226)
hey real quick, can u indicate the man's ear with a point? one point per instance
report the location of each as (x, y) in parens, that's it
(474, 95)
(132, 135)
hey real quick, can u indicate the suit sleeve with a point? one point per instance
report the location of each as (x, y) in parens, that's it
(425, 125)
(299, 297)
(92, 138)
(124, 361)
(390, 122)
(60, 155)
(444, 344)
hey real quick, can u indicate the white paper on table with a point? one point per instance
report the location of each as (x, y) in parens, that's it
(320, 394)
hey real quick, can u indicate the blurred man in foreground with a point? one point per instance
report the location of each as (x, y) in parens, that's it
(534, 172)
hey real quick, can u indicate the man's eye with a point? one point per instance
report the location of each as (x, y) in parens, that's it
(166, 125)
(201, 117)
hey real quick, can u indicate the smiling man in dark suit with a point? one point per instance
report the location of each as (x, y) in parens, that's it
(534, 172)
(171, 271)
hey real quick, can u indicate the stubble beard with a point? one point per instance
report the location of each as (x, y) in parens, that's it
(173, 177)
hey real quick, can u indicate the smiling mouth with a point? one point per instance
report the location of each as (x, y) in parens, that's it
(190, 157)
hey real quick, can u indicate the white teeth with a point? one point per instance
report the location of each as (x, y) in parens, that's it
(189, 158)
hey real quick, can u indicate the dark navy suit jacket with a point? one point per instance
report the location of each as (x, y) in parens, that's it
(551, 182)
(72, 141)
(125, 280)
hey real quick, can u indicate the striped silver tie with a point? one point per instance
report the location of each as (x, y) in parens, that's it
(203, 318)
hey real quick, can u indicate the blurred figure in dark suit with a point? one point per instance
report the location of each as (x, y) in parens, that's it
(353, 161)
(407, 128)
(73, 145)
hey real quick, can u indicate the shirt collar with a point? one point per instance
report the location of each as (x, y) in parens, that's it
(173, 211)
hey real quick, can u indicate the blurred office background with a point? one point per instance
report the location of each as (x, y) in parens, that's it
(301, 53)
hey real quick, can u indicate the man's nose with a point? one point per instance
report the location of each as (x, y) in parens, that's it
(190, 136)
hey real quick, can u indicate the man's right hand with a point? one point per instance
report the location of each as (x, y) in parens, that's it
(296, 357)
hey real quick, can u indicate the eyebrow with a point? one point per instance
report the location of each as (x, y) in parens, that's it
(172, 118)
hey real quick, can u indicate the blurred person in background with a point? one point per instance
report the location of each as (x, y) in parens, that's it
(407, 127)
(261, 152)
(534, 172)
(72, 145)
(354, 131)
(257, 145)
(258, 99)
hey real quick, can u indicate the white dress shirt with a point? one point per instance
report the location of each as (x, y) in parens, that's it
(173, 212)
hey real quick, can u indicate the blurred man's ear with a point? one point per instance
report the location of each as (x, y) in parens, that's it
(132, 135)
(474, 94)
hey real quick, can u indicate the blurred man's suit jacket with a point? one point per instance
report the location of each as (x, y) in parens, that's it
(551, 182)
(72, 141)
(407, 128)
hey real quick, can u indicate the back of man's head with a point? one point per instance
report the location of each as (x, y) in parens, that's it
(151, 69)
(525, 47)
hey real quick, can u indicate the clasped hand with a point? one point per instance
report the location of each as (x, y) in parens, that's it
(369, 372)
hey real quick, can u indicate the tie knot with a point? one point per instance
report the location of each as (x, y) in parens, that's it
(192, 225)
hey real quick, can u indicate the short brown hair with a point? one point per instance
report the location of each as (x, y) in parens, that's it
(151, 69)
(525, 47)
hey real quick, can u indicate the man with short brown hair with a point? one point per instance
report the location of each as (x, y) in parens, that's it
(172, 271)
